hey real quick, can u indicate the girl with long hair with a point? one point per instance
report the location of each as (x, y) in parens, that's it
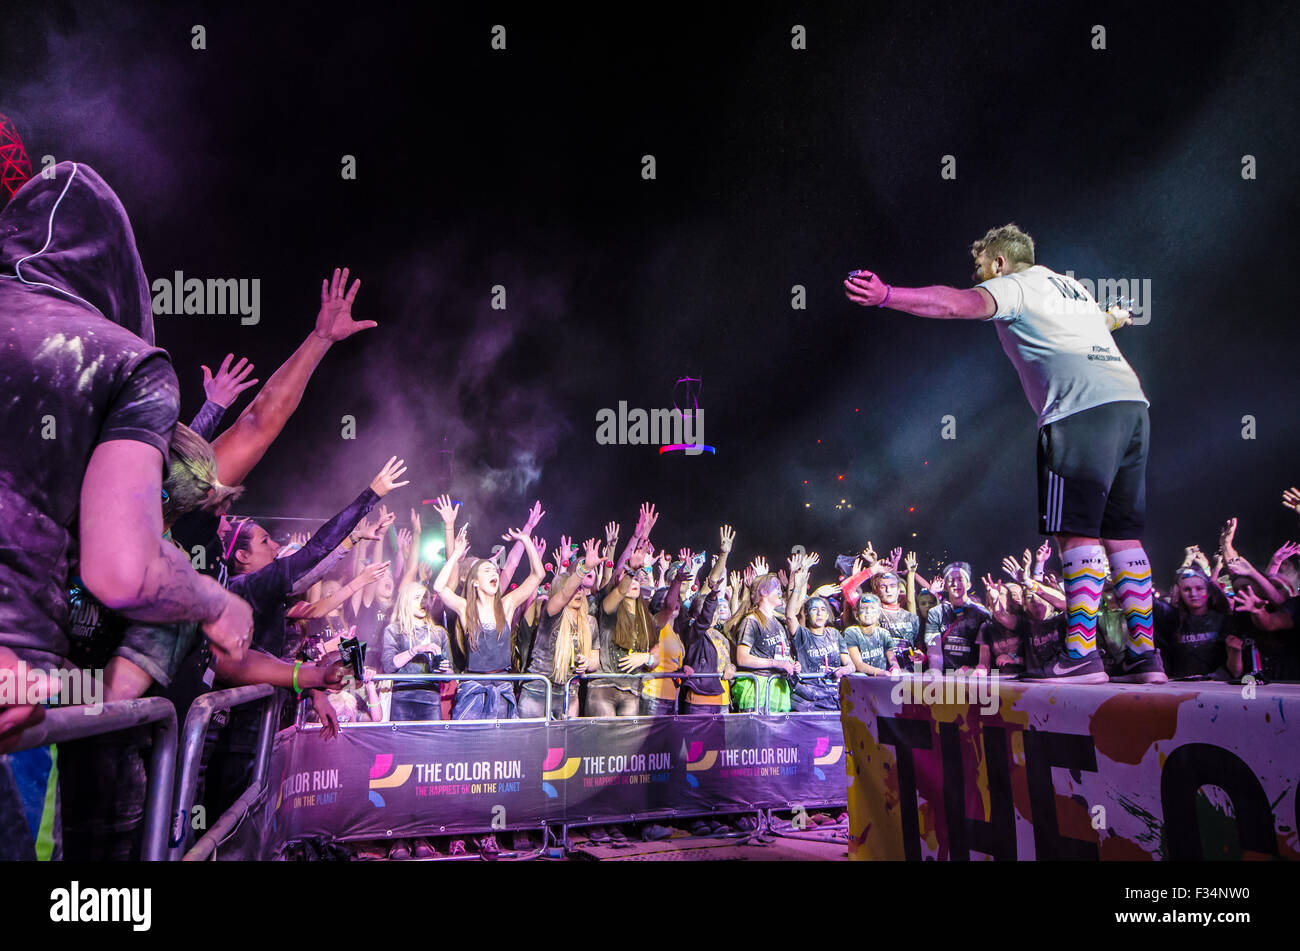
(414, 644)
(485, 632)
(563, 646)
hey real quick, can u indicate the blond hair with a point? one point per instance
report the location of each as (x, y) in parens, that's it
(1008, 241)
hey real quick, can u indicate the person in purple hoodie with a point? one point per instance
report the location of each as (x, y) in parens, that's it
(90, 405)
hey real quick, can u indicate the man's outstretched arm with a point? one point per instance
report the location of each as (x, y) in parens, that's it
(937, 300)
(242, 446)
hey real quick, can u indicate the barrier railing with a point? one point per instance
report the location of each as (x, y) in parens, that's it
(196, 728)
(677, 675)
(65, 724)
(439, 678)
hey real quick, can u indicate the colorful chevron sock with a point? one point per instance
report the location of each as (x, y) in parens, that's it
(1084, 571)
(1132, 573)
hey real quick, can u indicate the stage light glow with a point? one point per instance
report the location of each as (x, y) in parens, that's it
(433, 549)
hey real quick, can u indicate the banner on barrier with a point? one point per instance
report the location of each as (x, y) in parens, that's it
(395, 780)
(1057, 771)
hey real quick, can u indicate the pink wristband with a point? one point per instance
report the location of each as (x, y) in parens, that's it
(889, 291)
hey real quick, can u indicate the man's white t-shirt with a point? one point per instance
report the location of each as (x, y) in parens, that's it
(1056, 335)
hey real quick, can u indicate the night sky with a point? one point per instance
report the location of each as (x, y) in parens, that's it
(775, 167)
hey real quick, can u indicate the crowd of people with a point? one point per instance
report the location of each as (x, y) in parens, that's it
(119, 553)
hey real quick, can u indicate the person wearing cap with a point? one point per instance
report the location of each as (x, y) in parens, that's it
(870, 648)
(952, 636)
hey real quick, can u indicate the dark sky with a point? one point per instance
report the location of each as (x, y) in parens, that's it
(775, 167)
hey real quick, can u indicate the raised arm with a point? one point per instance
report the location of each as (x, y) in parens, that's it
(221, 391)
(937, 300)
(340, 527)
(442, 583)
(513, 599)
(126, 564)
(413, 552)
(242, 446)
(517, 549)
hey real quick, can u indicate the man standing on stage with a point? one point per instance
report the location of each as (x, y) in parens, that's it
(1092, 433)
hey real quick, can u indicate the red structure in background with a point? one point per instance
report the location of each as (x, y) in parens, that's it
(15, 167)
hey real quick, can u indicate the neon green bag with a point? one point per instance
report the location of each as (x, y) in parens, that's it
(743, 693)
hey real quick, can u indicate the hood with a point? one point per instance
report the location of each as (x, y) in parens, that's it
(69, 237)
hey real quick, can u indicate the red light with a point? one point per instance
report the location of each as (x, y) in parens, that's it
(911, 508)
(805, 481)
(840, 478)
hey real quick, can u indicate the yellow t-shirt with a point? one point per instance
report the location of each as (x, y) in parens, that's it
(671, 655)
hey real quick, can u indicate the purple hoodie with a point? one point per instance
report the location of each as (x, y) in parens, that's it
(77, 368)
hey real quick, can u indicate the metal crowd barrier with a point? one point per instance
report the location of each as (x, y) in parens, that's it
(196, 728)
(65, 724)
(739, 675)
(437, 678)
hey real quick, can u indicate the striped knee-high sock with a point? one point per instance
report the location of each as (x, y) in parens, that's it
(1084, 572)
(1132, 573)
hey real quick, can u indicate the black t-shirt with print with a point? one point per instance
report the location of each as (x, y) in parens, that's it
(818, 653)
(903, 626)
(1003, 642)
(765, 641)
(1191, 645)
(959, 631)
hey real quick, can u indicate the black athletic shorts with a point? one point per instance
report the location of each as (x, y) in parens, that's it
(1092, 468)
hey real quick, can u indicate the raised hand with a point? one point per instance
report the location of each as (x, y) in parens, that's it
(224, 388)
(460, 546)
(534, 516)
(611, 534)
(893, 558)
(1291, 499)
(937, 586)
(685, 555)
(334, 320)
(784, 578)
(404, 538)
(416, 528)
(1246, 600)
(373, 531)
(760, 565)
(909, 561)
(869, 556)
(646, 521)
(726, 538)
(749, 575)
(386, 480)
(664, 559)
(591, 552)
(794, 562)
(540, 545)
(1226, 536)
(442, 505)
(372, 573)
(1011, 567)
(1282, 554)
(810, 561)
(1044, 552)
(734, 579)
